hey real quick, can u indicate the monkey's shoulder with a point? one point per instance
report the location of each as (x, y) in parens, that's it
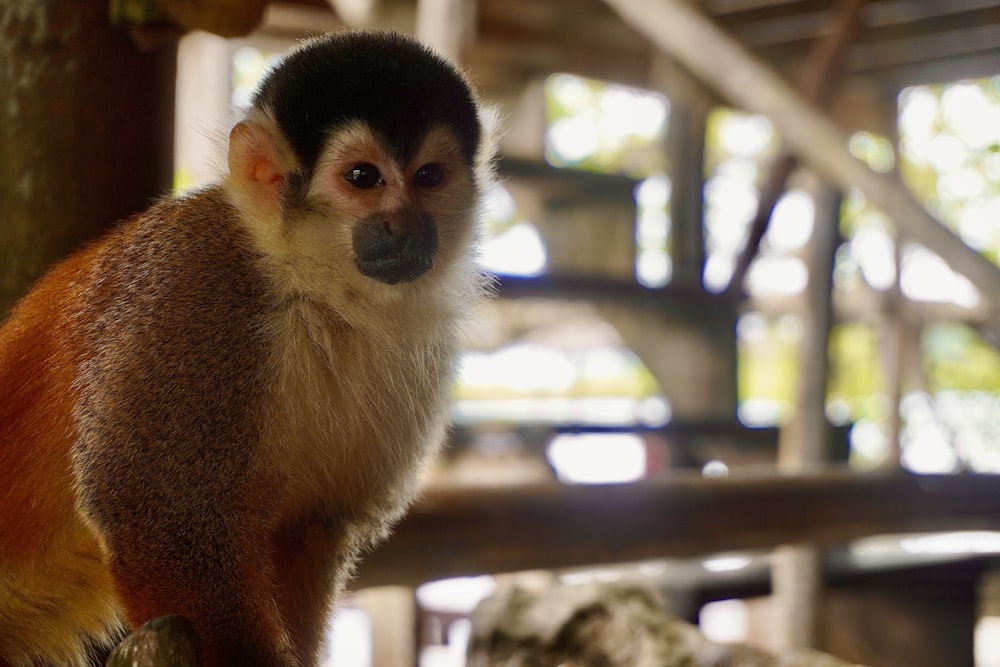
(199, 230)
(185, 259)
(171, 316)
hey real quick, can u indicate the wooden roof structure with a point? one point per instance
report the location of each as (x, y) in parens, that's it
(899, 42)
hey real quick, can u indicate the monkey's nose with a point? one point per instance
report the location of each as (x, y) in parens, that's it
(395, 247)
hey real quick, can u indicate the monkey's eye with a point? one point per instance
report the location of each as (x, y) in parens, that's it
(364, 176)
(428, 175)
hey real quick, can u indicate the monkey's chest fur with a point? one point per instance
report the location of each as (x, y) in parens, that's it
(211, 394)
(352, 416)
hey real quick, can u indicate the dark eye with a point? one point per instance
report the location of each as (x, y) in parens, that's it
(364, 176)
(428, 175)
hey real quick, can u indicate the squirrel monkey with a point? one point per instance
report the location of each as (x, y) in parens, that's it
(217, 408)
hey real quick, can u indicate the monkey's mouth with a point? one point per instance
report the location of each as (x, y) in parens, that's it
(395, 247)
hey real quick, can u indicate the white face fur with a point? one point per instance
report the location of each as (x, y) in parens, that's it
(310, 244)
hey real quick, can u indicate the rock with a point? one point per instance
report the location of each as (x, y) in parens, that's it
(168, 641)
(603, 625)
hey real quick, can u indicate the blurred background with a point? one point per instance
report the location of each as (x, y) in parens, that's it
(713, 336)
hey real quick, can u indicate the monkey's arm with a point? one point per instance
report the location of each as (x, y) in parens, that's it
(169, 464)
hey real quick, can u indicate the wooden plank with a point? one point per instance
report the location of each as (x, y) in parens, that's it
(467, 531)
(914, 48)
(726, 66)
(692, 304)
(778, 23)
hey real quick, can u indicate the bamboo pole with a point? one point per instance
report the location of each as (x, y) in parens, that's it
(725, 65)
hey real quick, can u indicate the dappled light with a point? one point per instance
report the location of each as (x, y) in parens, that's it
(250, 64)
(597, 458)
(739, 149)
(653, 266)
(512, 245)
(586, 131)
(950, 139)
(532, 382)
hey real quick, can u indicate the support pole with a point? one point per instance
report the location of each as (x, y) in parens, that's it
(393, 614)
(86, 132)
(685, 148)
(803, 443)
(444, 25)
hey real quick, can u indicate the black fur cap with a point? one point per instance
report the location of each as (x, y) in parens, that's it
(398, 87)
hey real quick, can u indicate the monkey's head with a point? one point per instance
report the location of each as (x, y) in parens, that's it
(358, 167)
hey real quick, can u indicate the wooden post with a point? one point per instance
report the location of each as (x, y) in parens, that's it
(803, 444)
(393, 614)
(896, 333)
(685, 147)
(85, 136)
(797, 589)
(444, 25)
(204, 108)
(894, 337)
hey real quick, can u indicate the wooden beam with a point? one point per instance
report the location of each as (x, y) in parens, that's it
(467, 531)
(926, 46)
(723, 64)
(801, 23)
(692, 304)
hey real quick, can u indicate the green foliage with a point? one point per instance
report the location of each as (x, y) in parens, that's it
(857, 375)
(950, 144)
(736, 135)
(767, 362)
(585, 128)
(957, 358)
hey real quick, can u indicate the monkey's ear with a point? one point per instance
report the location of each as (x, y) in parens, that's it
(258, 164)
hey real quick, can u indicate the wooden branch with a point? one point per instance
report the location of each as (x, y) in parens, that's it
(463, 531)
(814, 83)
(722, 63)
